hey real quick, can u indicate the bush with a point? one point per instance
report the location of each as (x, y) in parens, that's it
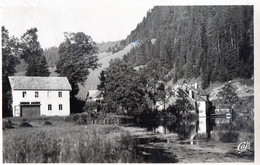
(148, 118)
(228, 94)
(91, 107)
(25, 124)
(47, 123)
(78, 118)
(229, 137)
(7, 124)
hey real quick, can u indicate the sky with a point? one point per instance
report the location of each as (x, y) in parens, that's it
(103, 20)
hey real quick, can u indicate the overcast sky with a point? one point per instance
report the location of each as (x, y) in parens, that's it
(103, 20)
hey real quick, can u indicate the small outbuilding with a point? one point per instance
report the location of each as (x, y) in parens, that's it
(94, 96)
(40, 96)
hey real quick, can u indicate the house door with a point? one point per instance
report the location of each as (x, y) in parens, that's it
(30, 110)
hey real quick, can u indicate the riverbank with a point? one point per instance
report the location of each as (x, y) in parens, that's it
(187, 151)
(53, 140)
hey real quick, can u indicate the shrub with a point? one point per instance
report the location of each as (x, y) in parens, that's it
(228, 94)
(7, 124)
(91, 107)
(47, 123)
(25, 124)
(148, 118)
(79, 118)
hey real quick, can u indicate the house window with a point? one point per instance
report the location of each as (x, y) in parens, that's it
(35, 103)
(24, 103)
(60, 107)
(60, 94)
(36, 94)
(24, 94)
(49, 107)
(48, 94)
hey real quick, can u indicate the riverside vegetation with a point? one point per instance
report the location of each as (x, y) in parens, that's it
(74, 139)
(66, 142)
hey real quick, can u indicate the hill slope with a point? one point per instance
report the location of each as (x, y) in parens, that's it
(212, 42)
(104, 59)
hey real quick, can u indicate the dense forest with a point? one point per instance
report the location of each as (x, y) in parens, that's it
(51, 55)
(214, 42)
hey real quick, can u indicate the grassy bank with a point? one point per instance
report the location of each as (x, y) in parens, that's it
(67, 142)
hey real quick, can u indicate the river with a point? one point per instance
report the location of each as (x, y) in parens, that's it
(197, 141)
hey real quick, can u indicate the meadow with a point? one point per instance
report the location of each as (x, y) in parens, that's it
(66, 142)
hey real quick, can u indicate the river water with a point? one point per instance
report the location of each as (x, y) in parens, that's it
(197, 141)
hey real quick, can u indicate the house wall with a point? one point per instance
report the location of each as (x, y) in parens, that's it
(202, 125)
(45, 98)
(222, 111)
(202, 108)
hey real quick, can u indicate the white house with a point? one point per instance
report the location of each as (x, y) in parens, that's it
(40, 96)
(223, 110)
(202, 105)
(197, 97)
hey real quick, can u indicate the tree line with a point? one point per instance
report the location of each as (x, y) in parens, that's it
(76, 57)
(212, 42)
(52, 56)
(130, 92)
(13, 50)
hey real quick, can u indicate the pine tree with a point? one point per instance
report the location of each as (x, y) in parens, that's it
(10, 52)
(32, 53)
(102, 84)
(38, 67)
(51, 55)
(228, 94)
(214, 42)
(182, 104)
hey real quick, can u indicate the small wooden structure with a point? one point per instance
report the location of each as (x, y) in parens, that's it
(94, 95)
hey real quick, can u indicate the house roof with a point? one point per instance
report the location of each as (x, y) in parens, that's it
(223, 106)
(39, 83)
(94, 93)
(199, 90)
(200, 99)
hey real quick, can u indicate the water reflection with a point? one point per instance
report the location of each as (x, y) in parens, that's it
(224, 130)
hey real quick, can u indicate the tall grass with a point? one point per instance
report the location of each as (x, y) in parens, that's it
(76, 144)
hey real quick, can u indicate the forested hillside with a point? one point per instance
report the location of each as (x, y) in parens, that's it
(51, 55)
(214, 42)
